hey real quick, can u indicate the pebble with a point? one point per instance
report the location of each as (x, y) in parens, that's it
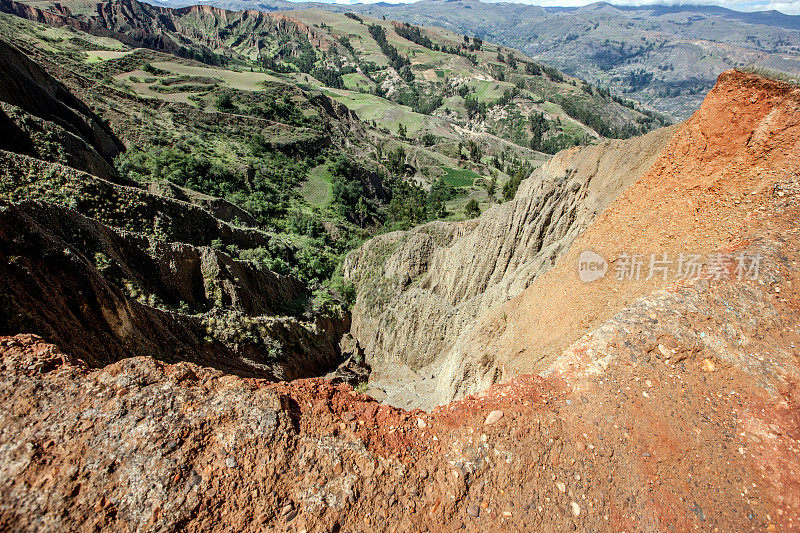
(576, 509)
(708, 365)
(493, 417)
(421, 423)
(561, 487)
(473, 511)
(230, 462)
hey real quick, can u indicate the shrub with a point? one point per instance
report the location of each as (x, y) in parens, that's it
(472, 209)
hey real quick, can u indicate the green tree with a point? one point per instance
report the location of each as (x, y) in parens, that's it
(491, 186)
(225, 103)
(475, 153)
(472, 209)
(361, 211)
(396, 161)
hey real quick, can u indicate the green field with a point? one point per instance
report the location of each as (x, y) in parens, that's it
(459, 178)
(244, 81)
(316, 190)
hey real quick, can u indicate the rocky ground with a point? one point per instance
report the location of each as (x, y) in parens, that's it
(662, 420)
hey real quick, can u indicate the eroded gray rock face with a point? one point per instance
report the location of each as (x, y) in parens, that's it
(420, 290)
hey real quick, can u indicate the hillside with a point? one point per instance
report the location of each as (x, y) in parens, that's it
(666, 57)
(110, 268)
(676, 407)
(419, 291)
(453, 320)
(309, 271)
(427, 79)
(203, 173)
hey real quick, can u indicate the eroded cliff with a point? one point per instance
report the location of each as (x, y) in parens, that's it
(420, 290)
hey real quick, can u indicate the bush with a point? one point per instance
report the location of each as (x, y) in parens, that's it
(472, 209)
(224, 103)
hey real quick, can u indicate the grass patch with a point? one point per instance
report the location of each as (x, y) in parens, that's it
(459, 178)
(316, 190)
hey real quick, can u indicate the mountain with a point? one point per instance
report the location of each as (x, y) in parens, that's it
(193, 178)
(666, 57)
(652, 402)
(309, 271)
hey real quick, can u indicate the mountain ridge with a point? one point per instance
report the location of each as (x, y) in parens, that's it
(664, 57)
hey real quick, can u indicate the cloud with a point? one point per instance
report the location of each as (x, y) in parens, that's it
(790, 7)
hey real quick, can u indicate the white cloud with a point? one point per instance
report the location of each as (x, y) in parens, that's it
(790, 7)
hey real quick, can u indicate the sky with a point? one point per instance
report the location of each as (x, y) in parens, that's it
(790, 7)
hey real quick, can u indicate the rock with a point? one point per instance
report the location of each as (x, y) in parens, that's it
(708, 365)
(421, 423)
(377, 394)
(493, 417)
(576, 509)
(231, 462)
(473, 510)
(561, 487)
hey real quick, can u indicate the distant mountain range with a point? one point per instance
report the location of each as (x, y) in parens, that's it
(665, 56)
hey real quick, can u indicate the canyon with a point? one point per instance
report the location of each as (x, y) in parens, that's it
(173, 359)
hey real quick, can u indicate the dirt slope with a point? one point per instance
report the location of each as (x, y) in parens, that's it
(38, 112)
(702, 195)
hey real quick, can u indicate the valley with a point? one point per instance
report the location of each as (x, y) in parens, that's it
(268, 156)
(309, 270)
